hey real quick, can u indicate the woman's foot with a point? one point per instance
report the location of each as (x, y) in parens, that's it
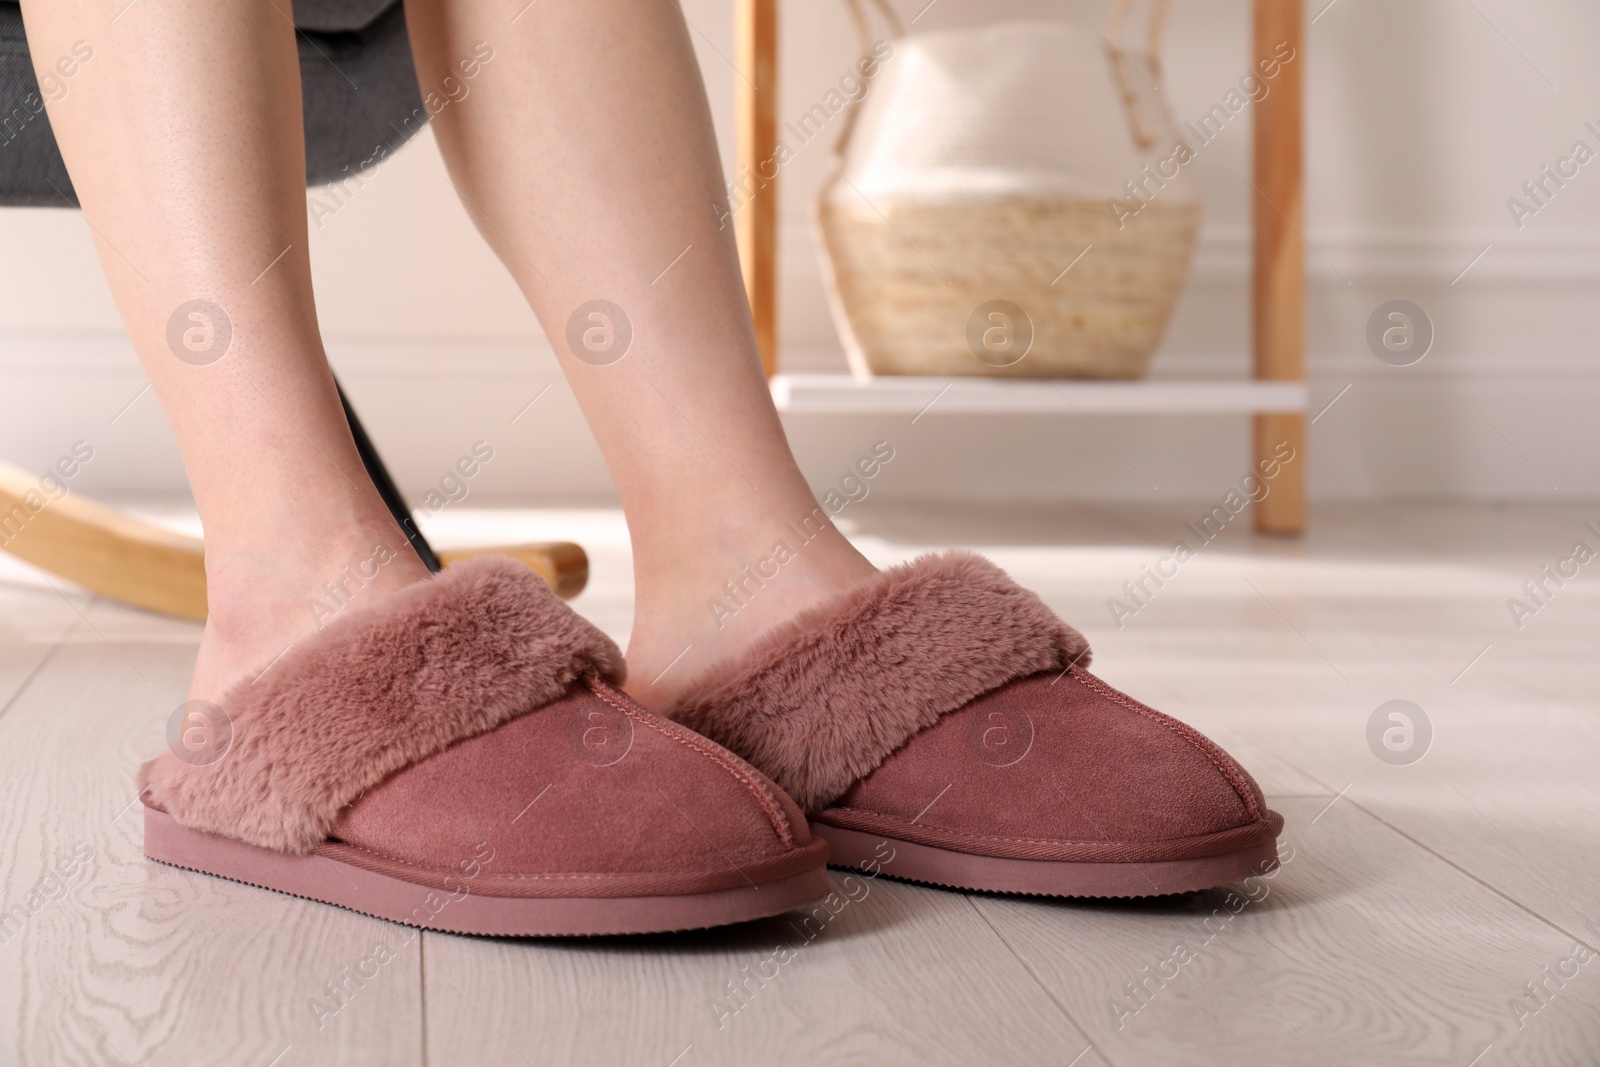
(267, 595)
(937, 724)
(710, 606)
(387, 765)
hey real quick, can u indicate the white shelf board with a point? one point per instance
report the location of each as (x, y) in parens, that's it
(845, 394)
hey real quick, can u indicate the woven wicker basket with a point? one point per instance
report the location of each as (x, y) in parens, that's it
(912, 275)
(1101, 319)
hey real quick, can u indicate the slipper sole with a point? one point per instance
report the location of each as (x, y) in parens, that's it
(321, 877)
(915, 862)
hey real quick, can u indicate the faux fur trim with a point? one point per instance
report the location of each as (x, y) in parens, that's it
(380, 688)
(823, 700)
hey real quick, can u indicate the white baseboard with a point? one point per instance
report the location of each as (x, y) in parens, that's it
(1501, 409)
(1478, 429)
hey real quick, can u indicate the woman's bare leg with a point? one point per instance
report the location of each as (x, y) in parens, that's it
(584, 148)
(183, 136)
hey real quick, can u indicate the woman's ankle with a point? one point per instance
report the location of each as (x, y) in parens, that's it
(264, 596)
(697, 610)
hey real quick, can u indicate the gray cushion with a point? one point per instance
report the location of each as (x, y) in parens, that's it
(360, 91)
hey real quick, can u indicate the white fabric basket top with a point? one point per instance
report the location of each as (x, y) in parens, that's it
(1017, 109)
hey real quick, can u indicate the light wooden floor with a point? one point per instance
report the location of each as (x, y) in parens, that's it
(1418, 902)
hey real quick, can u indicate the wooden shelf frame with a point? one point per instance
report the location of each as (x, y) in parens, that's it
(1278, 287)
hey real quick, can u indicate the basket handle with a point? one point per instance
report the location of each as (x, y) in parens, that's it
(1143, 136)
(1138, 126)
(864, 32)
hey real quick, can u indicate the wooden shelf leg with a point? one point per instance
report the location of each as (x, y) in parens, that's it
(1279, 283)
(756, 220)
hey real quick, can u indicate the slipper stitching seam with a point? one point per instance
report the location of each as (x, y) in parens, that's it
(769, 806)
(1189, 735)
(1045, 840)
(519, 876)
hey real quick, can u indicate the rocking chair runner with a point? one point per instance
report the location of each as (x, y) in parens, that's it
(360, 92)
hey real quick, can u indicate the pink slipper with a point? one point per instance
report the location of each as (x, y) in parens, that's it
(455, 757)
(938, 725)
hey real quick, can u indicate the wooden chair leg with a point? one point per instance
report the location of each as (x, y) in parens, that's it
(147, 566)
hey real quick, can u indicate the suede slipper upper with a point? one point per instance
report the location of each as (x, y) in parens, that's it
(943, 713)
(456, 756)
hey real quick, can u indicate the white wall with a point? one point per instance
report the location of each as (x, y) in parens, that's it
(1423, 118)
